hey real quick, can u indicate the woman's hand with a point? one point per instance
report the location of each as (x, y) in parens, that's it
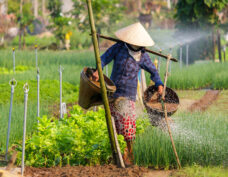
(95, 76)
(160, 89)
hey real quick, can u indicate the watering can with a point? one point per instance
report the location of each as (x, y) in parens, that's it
(90, 91)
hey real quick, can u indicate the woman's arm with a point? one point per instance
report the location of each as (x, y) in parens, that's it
(106, 58)
(109, 55)
(154, 75)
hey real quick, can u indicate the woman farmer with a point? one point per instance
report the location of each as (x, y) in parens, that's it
(129, 57)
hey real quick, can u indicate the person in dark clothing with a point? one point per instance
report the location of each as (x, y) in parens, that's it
(129, 57)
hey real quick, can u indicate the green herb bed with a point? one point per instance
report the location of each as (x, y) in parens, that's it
(199, 138)
(203, 75)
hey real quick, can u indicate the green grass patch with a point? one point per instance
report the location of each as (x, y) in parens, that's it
(199, 171)
(190, 94)
(221, 104)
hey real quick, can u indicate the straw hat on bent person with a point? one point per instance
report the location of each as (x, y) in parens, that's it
(135, 34)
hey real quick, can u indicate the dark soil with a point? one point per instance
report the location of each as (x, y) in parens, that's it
(86, 171)
(209, 98)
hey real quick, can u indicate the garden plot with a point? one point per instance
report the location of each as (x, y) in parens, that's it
(196, 135)
(209, 98)
(221, 104)
(188, 97)
(200, 138)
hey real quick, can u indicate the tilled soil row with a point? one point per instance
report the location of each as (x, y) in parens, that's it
(86, 171)
(202, 104)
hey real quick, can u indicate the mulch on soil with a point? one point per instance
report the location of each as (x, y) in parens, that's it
(202, 104)
(86, 171)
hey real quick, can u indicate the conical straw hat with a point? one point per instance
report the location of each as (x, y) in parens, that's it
(135, 34)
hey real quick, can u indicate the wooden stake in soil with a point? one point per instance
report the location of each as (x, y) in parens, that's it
(117, 156)
(165, 111)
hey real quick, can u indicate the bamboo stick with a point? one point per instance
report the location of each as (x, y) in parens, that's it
(116, 156)
(147, 50)
(165, 110)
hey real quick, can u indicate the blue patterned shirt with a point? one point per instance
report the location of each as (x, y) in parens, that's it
(125, 70)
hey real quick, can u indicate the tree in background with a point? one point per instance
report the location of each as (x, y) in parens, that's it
(106, 14)
(60, 25)
(195, 16)
(22, 9)
(134, 6)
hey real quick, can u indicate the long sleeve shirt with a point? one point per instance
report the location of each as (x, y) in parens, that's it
(125, 70)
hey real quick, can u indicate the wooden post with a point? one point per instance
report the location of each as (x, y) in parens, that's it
(165, 111)
(113, 143)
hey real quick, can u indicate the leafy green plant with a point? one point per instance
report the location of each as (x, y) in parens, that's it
(4, 70)
(18, 69)
(198, 13)
(80, 40)
(79, 139)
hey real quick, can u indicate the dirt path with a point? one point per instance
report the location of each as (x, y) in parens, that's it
(209, 98)
(158, 173)
(185, 104)
(94, 171)
(85, 171)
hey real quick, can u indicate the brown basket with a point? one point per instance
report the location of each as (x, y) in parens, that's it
(90, 91)
(153, 105)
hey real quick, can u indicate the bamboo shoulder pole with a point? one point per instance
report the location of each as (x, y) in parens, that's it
(165, 111)
(147, 50)
(102, 83)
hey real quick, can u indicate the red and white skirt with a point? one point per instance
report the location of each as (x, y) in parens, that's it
(125, 118)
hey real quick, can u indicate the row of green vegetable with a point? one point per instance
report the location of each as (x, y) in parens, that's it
(78, 139)
(199, 75)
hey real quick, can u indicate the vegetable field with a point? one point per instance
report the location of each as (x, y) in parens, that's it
(81, 138)
(199, 138)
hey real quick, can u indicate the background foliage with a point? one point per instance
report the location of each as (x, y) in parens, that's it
(60, 25)
(195, 16)
(106, 13)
